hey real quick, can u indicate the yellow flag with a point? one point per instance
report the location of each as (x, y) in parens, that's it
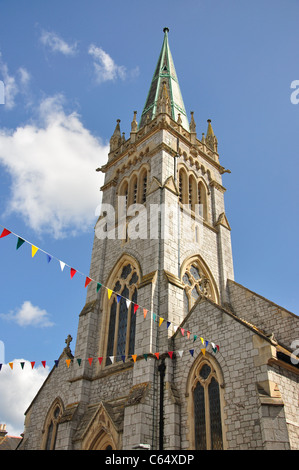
(109, 293)
(161, 321)
(134, 356)
(68, 361)
(11, 364)
(34, 250)
(202, 340)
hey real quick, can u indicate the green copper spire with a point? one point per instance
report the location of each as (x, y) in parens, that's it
(165, 73)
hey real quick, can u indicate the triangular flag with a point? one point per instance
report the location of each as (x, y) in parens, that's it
(207, 342)
(183, 331)
(32, 364)
(157, 355)
(100, 360)
(90, 360)
(56, 361)
(62, 264)
(0, 366)
(180, 353)
(136, 307)
(49, 257)
(22, 364)
(68, 361)
(134, 357)
(175, 328)
(195, 336)
(170, 354)
(44, 363)
(79, 362)
(154, 316)
(123, 358)
(203, 350)
(11, 365)
(145, 356)
(188, 334)
(111, 359)
(87, 281)
(34, 249)
(20, 242)
(109, 293)
(202, 340)
(73, 272)
(217, 347)
(191, 351)
(145, 312)
(98, 286)
(118, 297)
(128, 302)
(4, 233)
(168, 324)
(161, 320)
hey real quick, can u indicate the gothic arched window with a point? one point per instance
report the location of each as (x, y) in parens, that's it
(206, 408)
(122, 321)
(51, 425)
(196, 283)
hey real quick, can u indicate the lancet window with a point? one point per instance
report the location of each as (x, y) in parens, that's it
(51, 425)
(192, 193)
(207, 408)
(122, 321)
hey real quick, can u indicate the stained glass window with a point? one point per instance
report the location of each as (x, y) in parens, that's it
(207, 410)
(122, 322)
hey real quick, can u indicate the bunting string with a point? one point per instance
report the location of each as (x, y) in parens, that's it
(112, 359)
(88, 280)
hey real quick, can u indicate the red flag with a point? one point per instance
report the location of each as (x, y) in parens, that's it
(73, 272)
(182, 331)
(32, 364)
(90, 360)
(88, 280)
(44, 363)
(4, 233)
(136, 308)
(170, 354)
(157, 355)
(100, 360)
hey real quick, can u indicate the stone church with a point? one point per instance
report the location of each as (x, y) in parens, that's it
(171, 352)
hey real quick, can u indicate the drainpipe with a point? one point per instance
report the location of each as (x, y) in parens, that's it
(161, 369)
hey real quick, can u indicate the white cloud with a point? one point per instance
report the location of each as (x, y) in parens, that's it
(57, 44)
(28, 315)
(105, 67)
(18, 388)
(13, 85)
(54, 185)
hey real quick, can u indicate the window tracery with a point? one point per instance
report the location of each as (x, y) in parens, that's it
(197, 283)
(122, 321)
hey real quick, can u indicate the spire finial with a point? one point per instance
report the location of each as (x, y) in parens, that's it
(165, 30)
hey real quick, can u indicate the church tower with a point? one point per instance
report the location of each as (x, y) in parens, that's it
(161, 242)
(147, 370)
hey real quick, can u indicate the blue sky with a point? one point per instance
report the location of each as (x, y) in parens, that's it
(70, 69)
